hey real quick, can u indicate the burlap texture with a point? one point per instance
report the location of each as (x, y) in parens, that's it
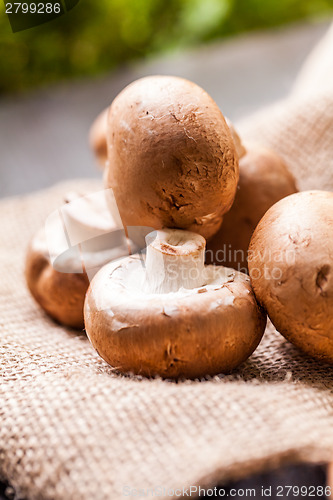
(71, 428)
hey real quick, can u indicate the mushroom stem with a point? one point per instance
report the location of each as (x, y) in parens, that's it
(174, 260)
(86, 216)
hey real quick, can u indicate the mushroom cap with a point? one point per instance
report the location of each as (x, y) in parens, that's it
(189, 333)
(264, 179)
(291, 269)
(61, 295)
(172, 160)
(97, 137)
(207, 226)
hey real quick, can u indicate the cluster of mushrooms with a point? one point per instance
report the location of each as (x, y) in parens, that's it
(153, 299)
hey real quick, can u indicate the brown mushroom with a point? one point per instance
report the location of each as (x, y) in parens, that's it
(264, 179)
(172, 316)
(291, 270)
(172, 160)
(66, 253)
(97, 138)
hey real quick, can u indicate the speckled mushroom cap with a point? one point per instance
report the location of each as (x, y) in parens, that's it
(171, 157)
(190, 333)
(264, 179)
(291, 269)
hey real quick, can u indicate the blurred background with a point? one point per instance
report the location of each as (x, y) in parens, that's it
(55, 78)
(97, 37)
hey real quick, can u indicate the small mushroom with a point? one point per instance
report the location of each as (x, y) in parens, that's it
(264, 179)
(171, 158)
(291, 270)
(66, 253)
(170, 315)
(97, 138)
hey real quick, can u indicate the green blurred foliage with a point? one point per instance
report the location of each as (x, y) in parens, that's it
(99, 35)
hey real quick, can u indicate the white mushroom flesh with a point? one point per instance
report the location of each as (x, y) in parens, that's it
(172, 267)
(82, 236)
(175, 259)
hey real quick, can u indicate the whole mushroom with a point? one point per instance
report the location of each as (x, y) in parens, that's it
(171, 158)
(291, 270)
(66, 253)
(170, 315)
(264, 179)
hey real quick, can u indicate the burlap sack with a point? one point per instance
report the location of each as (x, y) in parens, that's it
(71, 428)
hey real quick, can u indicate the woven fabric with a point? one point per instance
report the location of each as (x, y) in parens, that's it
(72, 428)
